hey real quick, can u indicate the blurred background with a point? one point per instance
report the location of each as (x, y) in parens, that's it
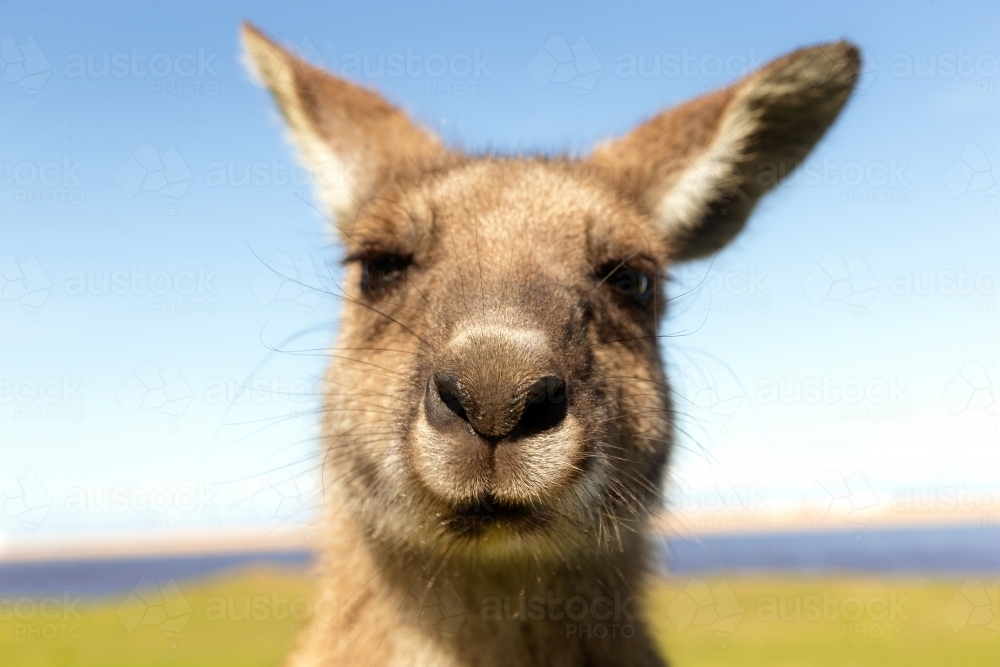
(836, 366)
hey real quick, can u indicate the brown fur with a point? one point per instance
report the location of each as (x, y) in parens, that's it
(497, 417)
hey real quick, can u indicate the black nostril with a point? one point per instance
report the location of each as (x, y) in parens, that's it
(449, 391)
(545, 408)
(493, 414)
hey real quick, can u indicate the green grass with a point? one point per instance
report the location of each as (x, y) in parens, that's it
(856, 625)
(860, 626)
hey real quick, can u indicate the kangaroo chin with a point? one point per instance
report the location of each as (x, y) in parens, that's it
(497, 418)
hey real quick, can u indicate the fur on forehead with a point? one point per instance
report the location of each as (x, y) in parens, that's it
(552, 204)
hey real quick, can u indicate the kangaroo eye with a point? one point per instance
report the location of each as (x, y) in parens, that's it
(630, 283)
(381, 273)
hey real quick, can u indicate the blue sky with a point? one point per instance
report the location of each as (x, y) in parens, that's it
(141, 201)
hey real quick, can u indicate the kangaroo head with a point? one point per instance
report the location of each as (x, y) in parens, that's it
(497, 383)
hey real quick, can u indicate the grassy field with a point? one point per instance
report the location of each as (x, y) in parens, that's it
(736, 620)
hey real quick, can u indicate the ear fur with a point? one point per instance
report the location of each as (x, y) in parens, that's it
(351, 138)
(701, 167)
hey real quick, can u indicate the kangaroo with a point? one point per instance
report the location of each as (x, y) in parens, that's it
(497, 419)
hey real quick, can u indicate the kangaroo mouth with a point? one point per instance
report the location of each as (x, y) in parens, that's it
(487, 513)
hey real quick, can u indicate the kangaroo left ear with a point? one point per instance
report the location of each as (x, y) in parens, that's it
(351, 139)
(700, 168)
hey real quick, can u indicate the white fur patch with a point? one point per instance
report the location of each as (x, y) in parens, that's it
(333, 175)
(528, 338)
(708, 176)
(334, 172)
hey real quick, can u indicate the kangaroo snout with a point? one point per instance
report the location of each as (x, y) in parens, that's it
(497, 419)
(497, 384)
(494, 411)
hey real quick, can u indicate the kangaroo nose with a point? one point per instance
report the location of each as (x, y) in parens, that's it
(496, 410)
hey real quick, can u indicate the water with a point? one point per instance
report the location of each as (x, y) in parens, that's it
(919, 551)
(98, 578)
(951, 552)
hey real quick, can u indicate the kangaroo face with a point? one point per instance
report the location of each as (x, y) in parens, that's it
(496, 387)
(503, 315)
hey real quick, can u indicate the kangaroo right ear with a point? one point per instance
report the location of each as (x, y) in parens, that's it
(351, 139)
(700, 168)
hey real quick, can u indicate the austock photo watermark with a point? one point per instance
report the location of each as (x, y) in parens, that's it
(578, 65)
(711, 392)
(169, 74)
(847, 498)
(316, 187)
(858, 617)
(154, 387)
(975, 607)
(165, 607)
(710, 606)
(979, 288)
(436, 605)
(150, 387)
(279, 498)
(306, 614)
(23, 64)
(689, 64)
(186, 507)
(322, 182)
(978, 68)
(975, 172)
(584, 617)
(714, 607)
(558, 63)
(867, 400)
(286, 498)
(184, 291)
(979, 505)
(304, 280)
(457, 74)
(44, 399)
(734, 291)
(175, 74)
(702, 604)
(868, 182)
(840, 498)
(60, 180)
(24, 282)
(272, 172)
(51, 181)
(150, 170)
(974, 391)
(462, 73)
(47, 617)
(850, 280)
(720, 508)
(273, 389)
(842, 281)
(24, 501)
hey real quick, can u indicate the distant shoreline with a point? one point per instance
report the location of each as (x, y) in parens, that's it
(942, 552)
(249, 540)
(135, 544)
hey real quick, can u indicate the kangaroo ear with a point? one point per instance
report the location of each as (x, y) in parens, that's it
(700, 168)
(351, 139)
